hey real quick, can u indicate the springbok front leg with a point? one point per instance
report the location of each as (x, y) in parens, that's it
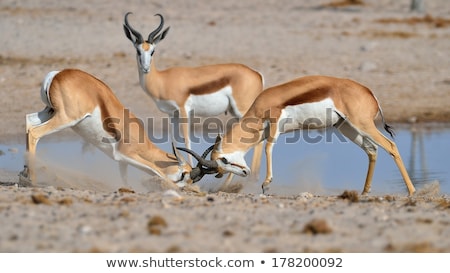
(274, 133)
(256, 161)
(184, 119)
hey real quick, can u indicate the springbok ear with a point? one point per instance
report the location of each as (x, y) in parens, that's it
(181, 161)
(163, 34)
(218, 143)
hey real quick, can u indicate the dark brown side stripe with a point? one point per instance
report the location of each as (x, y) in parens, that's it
(209, 87)
(308, 97)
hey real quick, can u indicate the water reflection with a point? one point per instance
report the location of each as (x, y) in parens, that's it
(425, 147)
(418, 150)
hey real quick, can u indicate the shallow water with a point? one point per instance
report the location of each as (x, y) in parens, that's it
(318, 162)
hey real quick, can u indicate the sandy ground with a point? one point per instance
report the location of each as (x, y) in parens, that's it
(402, 56)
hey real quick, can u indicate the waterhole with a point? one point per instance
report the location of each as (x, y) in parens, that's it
(318, 162)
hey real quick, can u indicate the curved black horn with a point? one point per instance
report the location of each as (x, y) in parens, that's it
(152, 34)
(211, 164)
(207, 151)
(135, 33)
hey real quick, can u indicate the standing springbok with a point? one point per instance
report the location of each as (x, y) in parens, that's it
(75, 99)
(310, 102)
(204, 91)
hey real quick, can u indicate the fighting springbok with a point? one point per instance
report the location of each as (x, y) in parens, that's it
(75, 99)
(204, 91)
(310, 102)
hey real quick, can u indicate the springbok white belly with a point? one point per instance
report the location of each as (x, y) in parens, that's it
(210, 104)
(91, 129)
(205, 105)
(313, 115)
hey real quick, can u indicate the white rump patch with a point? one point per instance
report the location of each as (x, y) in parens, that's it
(45, 86)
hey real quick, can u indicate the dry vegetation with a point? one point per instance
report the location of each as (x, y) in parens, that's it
(437, 22)
(344, 3)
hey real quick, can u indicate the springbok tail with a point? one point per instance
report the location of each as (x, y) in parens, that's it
(386, 126)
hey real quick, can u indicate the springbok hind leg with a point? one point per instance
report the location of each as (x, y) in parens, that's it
(391, 148)
(366, 143)
(37, 125)
(368, 139)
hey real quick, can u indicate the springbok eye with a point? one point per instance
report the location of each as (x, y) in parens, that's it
(151, 54)
(183, 175)
(224, 160)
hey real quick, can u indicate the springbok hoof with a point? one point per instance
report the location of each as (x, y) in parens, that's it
(24, 179)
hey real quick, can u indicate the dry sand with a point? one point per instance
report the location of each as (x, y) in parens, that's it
(402, 56)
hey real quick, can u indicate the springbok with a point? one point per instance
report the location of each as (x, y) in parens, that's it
(204, 91)
(310, 102)
(75, 99)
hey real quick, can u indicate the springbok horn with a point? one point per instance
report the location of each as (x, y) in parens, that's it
(207, 151)
(211, 164)
(198, 171)
(139, 38)
(152, 34)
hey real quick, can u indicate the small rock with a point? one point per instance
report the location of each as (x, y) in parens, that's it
(40, 198)
(127, 199)
(125, 190)
(317, 226)
(305, 195)
(65, 201)
(155, 224)
(228, 233)
(350, 195)
(84, 229)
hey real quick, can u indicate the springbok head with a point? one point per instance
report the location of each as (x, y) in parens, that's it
(145, 48)
(232, 161)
